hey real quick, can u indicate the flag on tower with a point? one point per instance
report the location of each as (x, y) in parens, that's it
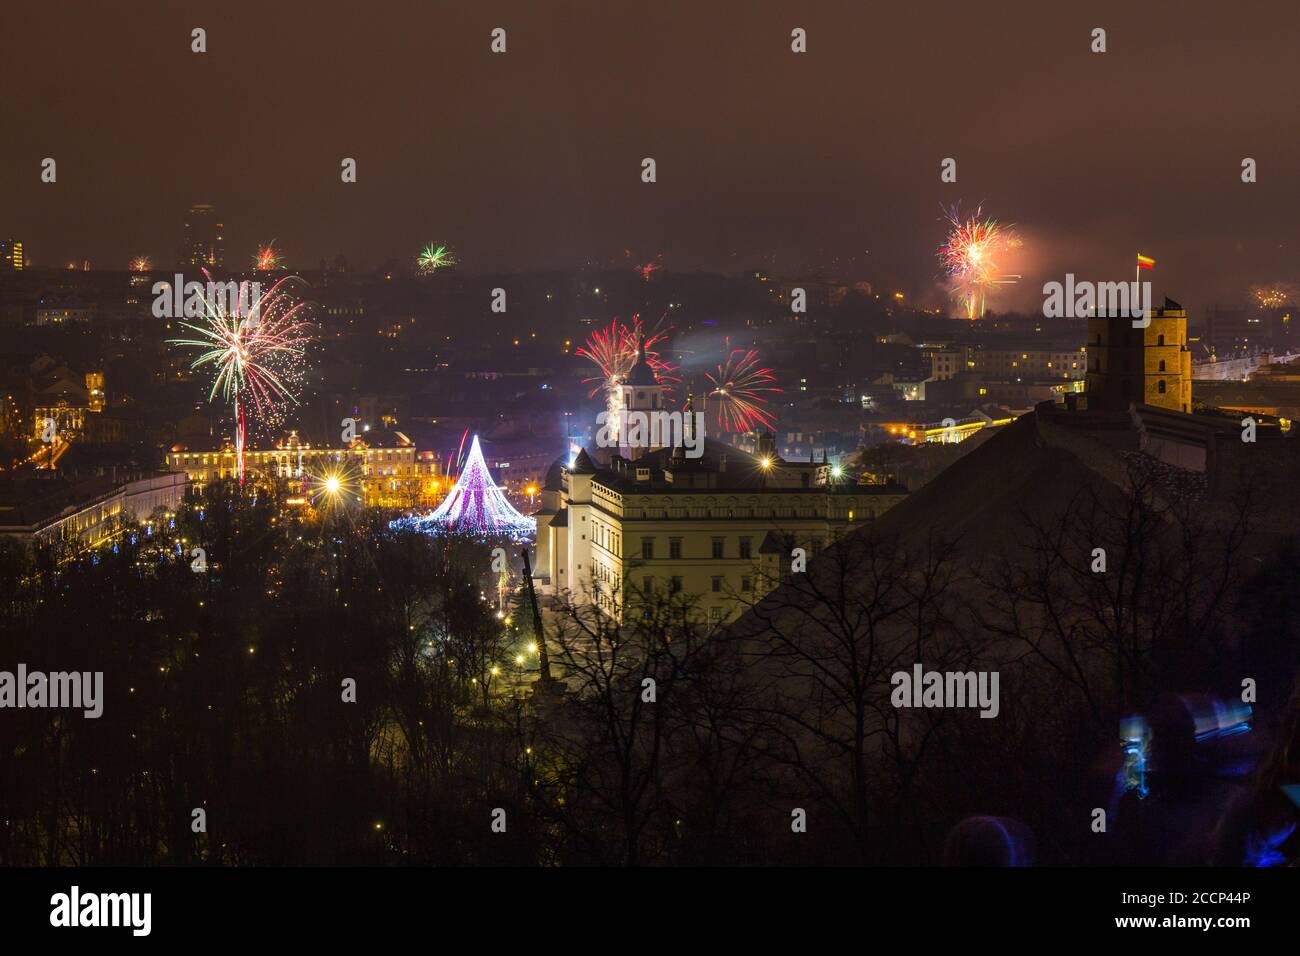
(1145, 262)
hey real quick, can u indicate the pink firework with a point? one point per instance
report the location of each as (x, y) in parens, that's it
(614, 351)
(254, 342)
(971, 258)
(740, 387)
(648, 269)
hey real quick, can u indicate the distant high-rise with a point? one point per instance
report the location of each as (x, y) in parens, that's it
(11, 255)
(204, 241)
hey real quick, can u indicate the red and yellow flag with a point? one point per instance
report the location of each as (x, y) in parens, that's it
(1145, 262)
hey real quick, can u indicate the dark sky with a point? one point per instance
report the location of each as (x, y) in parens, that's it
(532, 159)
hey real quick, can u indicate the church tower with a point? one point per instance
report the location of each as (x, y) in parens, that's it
(640, 392)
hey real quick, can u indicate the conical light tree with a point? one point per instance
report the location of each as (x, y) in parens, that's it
(476, 505)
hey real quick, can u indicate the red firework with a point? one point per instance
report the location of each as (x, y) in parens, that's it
(650, 268)
(739, 388)
(268, 258)
(614, 351)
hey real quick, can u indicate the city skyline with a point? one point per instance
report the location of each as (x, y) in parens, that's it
(849, 181)
(574, 436)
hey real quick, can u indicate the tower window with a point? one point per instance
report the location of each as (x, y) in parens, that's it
(1160, 340)
(1162, 365)
(1160, 386)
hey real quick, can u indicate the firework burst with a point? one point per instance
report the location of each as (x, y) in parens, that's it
(969, 257)
(434, 257)
(141, 264)
(268, 258)
(1275, 295)
(613, 350)
(647, 270)
(255, 345)
(740, 387)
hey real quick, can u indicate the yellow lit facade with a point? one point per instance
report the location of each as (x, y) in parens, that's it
(610, 543)
(11, 255)
(391, 475)
(1150, 366)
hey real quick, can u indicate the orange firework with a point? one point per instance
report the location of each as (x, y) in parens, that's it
(970, 257)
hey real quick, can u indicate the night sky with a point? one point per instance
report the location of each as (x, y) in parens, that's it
(823, 161)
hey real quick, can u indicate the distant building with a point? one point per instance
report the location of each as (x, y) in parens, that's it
(1150, 366)
(1231, 330)
(95, 391)
(1013, 362)
(88, 512)
(69, 311)
(203, 244)
(11, 255)
(61, 396)
(385, 463)
(947, 431)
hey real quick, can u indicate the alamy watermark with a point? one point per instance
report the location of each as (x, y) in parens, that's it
(74, 690)
(193, 300)
(1081, 300)
(922, 688)
(76, 909)
(652, 429)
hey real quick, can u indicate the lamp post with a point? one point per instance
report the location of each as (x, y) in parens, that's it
(543, 661)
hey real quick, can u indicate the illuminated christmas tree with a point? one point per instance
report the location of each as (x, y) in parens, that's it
(476, 505)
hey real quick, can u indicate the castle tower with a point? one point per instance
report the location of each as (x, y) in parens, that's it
(1151, 366)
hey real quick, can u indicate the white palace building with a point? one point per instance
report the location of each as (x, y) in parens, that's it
(719, 527)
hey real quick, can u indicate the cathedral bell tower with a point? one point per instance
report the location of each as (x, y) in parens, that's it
(640, 392)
